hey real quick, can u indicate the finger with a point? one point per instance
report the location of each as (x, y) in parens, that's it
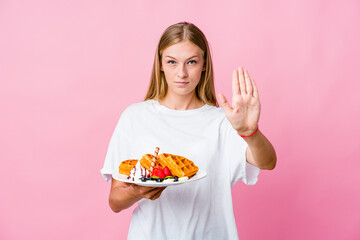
(224, 103)
(255, 92)
(249, 86)
(157, 194)
(148, 192)
(242, 80)
(129, 185)
(126, 185)
(235, 83)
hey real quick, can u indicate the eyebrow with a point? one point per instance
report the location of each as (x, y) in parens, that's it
(186, 59)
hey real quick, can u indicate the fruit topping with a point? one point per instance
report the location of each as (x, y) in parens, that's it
(167, 171)
(154, 171)
(159, 172)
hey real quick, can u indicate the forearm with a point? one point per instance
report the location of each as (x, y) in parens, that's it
(260, 152)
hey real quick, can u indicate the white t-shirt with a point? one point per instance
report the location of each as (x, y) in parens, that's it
(198, 210)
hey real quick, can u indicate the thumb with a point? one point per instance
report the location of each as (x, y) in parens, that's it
(224, 103)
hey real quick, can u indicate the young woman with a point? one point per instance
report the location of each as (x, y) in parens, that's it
(180, 115)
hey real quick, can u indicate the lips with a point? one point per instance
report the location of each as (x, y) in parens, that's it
(181, 83)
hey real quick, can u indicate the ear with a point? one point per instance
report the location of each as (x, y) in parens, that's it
(161, 69)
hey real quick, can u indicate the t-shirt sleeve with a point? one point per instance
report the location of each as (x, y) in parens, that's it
(235, 156)
(118, 149)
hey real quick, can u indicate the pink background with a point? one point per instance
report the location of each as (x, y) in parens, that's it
(69, 68)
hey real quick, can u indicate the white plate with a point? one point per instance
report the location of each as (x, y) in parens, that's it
(123, 178)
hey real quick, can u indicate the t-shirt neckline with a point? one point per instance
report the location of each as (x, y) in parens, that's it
(173, 111)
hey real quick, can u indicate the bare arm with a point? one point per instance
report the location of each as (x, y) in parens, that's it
(124, 195)
(244, 114)
(260, 152)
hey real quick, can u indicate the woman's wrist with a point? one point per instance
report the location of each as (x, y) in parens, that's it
(252, 133)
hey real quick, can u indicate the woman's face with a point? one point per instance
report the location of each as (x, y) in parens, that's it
(182, 64)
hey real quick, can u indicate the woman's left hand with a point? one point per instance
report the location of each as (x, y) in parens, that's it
(244, 112)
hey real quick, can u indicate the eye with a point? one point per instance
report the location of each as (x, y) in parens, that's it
(171, 62)
(192, 62)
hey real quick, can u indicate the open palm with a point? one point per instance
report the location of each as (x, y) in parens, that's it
(244, 112)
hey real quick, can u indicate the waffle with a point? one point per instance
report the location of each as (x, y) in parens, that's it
(146, 160)
(178, 165)
(126, 166)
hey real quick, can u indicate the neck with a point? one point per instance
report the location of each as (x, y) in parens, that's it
(181, 102)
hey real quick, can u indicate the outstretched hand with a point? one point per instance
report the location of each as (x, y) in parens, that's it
(244, 112)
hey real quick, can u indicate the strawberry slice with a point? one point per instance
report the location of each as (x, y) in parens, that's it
(155, 169)
(167, 171)
(160, 173)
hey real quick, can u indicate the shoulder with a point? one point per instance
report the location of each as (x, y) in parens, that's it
(215, 113)
(217, 110)
(133, 111)
(132, 115)
(218, 114)
(137, 108)
(139, 105)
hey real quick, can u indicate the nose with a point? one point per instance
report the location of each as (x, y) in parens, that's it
(182, 71)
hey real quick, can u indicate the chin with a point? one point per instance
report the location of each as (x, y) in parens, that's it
(183, 93)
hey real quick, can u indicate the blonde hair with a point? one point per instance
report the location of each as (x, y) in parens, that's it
(205, 90)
